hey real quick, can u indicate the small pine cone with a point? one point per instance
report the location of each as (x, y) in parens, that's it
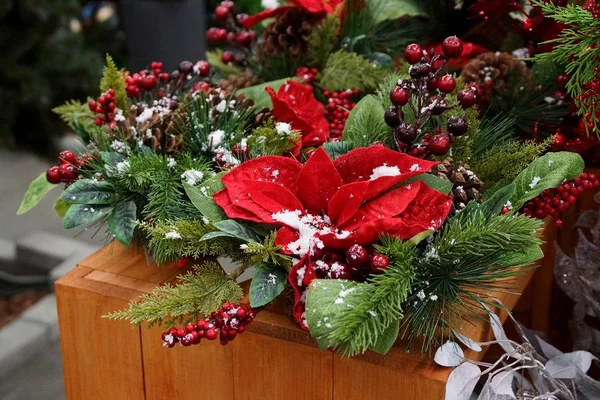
(494, 70)
(262, 116)
(466, 185)
(238, 81)
(290, 32)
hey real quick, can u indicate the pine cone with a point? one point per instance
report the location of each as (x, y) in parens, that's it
(290, 32)
(238, 81)
(494, 70)
(466, 185)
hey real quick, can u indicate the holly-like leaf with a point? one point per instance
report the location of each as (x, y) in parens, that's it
(493, 206)
(60, 207)
(439, 184)
(121, 221)
(201, 197)
(216, 234)
(37, 190)
(83, 214)
(86, 191)
(545, 172)
(236, 230)
(268, 282)
(336, 149)
(111, 158)
(387, 338)
(382, 10)
(366, 125)
(259, 95)
(524, 257)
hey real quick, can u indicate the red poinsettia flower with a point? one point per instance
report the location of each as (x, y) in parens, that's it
(312, 6)
(296, 104)
(333, 204)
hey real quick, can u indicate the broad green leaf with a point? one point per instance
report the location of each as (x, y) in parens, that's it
(366, 125)
(83, 214)
(439, 184)
(524, 257)
(336, 149)
(37, 190)
(214, 58)
(216, 234)
(545, 172)
(493, 206)
(201, 197)
(387, 339)
(111, 158)
(382, 10)
(86, 191)
(61, 207)
(259, 95)
(121, 221)
(237, 230)
(419, 237)
(381, 59)
(267, 283)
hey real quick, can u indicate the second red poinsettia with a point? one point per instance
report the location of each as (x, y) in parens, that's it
(325, 207)
(319, 7)
(296, 104)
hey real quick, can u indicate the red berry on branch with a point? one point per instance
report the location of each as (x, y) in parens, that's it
(439, 145)
(457, 126)
(243, 39)
(92, 105)
(67, 172)
(357, 256)
(378, 263)
(203, 67)
(228, 5)
(53, 175)
(452, 47)
(413, 53)
(562, 80)
(527, 25)
(227, 57)
(446, 84)
(399, 96)
(221, 13)
(466, 98)
(67, 157)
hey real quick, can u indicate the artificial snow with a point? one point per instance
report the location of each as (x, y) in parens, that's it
(119, 115)
(307, 227)
(283, 128)
(122, 167)
(172, 235)
(171, 163)
(192, 177)
(215, 139)
(384, 170)
(118, 146)
(414, 167)
(221, 107)
(145, 115)
(534, 182)
(343, 294)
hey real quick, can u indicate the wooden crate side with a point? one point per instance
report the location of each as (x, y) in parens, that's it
(101, 359)
(267, 368)
(204, 371)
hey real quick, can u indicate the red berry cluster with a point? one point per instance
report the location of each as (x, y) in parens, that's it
(67, 170)
(145, 80)
(232, 33)
(428, 90)
(226, 324)
(356, 263)
(552, 202)
(308, 75)
(339, 105)
(105, 106)
(182, 262)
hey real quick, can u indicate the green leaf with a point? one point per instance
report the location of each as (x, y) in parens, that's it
(236, 230)
(61, 207)
(201, 197)
(366, 125)
(83, 214)
(381, 59)
(259, 95)
(214, 58)
(387, 339)
(419, 237)
(382, 10)
(111, 158)
(37, 190)
(216, 234)
(439, 184)
(525, 257)
(267, 283)
(336, 149)
(86, 191)
(121, 221)
(545, 172)
(493, 205)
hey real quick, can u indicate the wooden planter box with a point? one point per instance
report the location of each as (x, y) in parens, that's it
(272, 360)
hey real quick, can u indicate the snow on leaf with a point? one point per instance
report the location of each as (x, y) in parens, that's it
(471, 344)
(449, 355)
(462, 381)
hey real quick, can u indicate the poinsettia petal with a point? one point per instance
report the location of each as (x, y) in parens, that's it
(382, 167)
(286, 235)
(318, 181)
(371, 232)
(272, 197)
(302, 272)
(276, 169)
(233, 211)
(387, 205)
(250, 21)
(429, 209)
(344, 204)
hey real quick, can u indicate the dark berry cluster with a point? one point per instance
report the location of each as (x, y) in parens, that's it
(232, 33)
(425, 94)
(308, 75)
(105, 107)
(552, 202)
(339, 105)
(67, 170)
(225, 324)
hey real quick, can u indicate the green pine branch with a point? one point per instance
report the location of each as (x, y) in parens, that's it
(323, 41)
(346, 70)
(197, 294)
(267, 252)
(113, 78)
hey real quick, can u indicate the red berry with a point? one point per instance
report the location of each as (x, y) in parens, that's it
(67, 157)
(227, 57)
(241, 313)
(180, 332)
(558, 223)
(446, 84)
(243, 38)
(413, 53)
(452, 47)
(92, 105)
(190, 328)
(562, 80)
(211, 334)
(339, 271)
(466, 98)
(182, 262)
(439, 145)
(356, 256)
(203, 67)
(527, 25)
(221, 13)
(377, 263)
(220, 34)
(53, 174)
(149, 82)
(67, 172)
(228, 5)
(399, 96)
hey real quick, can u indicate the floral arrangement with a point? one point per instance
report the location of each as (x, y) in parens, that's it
(372, 180)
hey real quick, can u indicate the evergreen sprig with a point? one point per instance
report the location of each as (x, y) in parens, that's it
(265, 141)
(197, 294)
(577, 49)
(323, 41)
(468, 260)
(113, 78)
(346, 70)
(267, 252)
